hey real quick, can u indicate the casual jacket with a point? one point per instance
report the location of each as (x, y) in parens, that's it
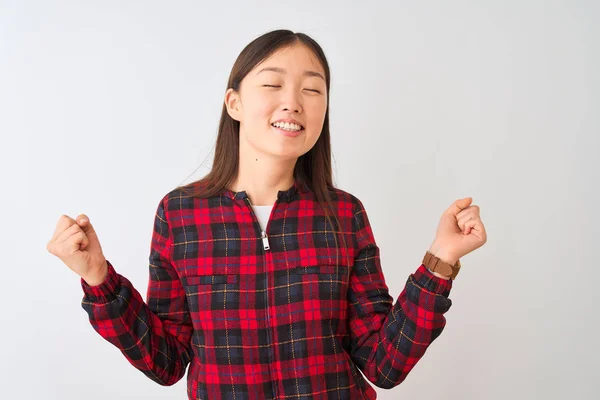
(286, 314)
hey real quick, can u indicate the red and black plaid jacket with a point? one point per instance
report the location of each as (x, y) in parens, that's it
(275, 317)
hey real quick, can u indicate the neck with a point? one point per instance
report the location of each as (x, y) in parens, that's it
(261, 176)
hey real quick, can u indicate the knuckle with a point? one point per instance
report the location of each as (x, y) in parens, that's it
(75, 228)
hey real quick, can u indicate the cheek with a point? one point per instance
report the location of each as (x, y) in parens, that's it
(261, 108)
(316, 113)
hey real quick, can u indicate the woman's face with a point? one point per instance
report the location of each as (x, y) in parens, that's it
(288, 85)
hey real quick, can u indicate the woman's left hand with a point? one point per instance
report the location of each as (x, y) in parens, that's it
(460, 231)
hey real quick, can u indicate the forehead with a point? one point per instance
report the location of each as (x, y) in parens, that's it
(294, 59)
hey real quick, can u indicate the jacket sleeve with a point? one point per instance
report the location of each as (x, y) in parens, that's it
(153, 336)
(387, 340)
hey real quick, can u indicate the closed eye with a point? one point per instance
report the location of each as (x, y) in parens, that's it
(276, 86)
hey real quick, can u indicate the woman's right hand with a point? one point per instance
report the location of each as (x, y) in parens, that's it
(75, 242)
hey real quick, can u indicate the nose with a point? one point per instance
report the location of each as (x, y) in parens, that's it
(291, 101)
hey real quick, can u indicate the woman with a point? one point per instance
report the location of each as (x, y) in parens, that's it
(264, 277)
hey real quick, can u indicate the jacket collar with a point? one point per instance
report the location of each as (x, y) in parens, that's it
(282, 195)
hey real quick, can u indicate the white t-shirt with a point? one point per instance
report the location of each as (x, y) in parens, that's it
(262, 213)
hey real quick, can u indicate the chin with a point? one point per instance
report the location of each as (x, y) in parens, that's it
(285, 154)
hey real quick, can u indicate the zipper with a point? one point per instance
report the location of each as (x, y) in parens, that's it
(265, 243)
(265, 240)
(263, 233)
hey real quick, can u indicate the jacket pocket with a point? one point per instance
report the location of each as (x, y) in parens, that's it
(209, 279)
(214, 303)
(325, 284)
(321, 269)
(212, 298)
(324, 266)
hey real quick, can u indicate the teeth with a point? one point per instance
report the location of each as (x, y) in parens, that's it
(287, 126)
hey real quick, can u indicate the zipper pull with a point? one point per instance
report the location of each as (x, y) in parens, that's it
(265, 240)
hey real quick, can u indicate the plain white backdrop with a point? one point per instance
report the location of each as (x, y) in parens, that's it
(105, 106)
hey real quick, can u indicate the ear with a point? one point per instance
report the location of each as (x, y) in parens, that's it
(233, 104)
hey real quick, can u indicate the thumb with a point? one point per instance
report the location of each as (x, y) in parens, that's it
(459, 205)
(92, 244)
(84, 222)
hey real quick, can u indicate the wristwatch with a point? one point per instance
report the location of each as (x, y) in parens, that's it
(435, 264)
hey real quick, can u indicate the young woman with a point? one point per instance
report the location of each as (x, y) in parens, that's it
(264, 277)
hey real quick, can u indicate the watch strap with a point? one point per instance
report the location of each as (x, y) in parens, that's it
(435, 264)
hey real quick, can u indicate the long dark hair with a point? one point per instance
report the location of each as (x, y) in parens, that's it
(312, 169)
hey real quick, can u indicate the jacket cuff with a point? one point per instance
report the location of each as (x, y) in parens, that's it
(106, 291)
(425, 278)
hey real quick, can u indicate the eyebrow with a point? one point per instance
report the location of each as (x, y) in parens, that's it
(283, 71)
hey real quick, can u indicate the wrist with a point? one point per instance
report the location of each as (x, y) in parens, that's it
(440, 275)
(97, 278)
(443, 255)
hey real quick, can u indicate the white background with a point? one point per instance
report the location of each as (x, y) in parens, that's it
(105, 106)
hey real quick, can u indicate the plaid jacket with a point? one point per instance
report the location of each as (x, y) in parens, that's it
(268, 315)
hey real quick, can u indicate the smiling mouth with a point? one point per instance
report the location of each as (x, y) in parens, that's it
(288, 128)
(288, 133)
